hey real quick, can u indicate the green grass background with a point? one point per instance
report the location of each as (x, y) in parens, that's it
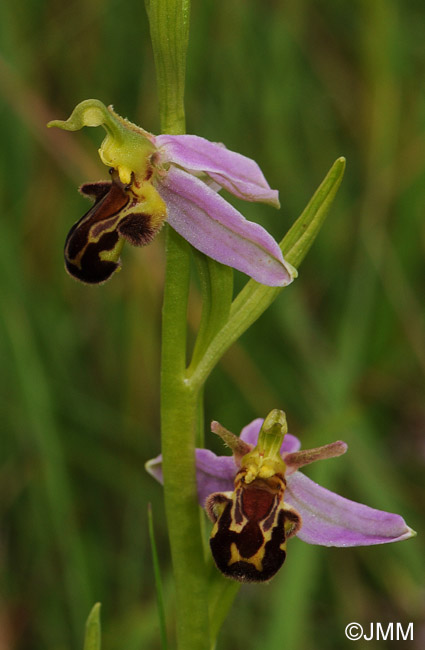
(294, 85)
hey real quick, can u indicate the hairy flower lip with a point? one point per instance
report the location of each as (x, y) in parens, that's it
(328, 519)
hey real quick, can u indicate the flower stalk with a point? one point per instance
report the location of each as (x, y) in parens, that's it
(175, 178)
(179, 422)
(181, 388)
(169, 26)
(169, 29)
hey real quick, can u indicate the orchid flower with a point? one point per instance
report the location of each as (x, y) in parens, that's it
(172, 178)
(257, 499)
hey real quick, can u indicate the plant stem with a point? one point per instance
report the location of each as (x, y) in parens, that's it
(180, 405)
(169, 28)
(179, 422)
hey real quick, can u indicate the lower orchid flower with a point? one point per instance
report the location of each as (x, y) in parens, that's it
(172, 178)
(257, 499)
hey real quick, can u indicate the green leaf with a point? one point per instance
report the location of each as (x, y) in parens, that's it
(298, 240)
(255, 298)
(216, 281)
(222, 593)
(92, 638)
(158, 582)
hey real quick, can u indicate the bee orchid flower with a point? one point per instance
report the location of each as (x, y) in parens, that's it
(257, 499)
(174, 178)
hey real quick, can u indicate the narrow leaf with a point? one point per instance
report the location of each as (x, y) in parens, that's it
(158, 583)
(255, 298)
(298, 240)
(216, 282)
(92, 638)
(222, 594)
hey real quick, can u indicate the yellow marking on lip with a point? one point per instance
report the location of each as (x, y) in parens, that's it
(104, 255)
(256, 560)
(113, 254)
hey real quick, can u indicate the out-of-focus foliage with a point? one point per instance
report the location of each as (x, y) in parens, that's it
(294, 85)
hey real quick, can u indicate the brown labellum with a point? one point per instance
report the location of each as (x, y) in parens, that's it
(93, 247)
(133, 213)
(252, 524)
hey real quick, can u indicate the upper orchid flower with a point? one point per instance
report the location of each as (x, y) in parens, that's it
(257, 499)
(173, 178)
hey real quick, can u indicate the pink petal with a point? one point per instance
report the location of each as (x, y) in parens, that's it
(331, 520)
(213, 473)
(250, 433)
(236, 173)
(217, 229)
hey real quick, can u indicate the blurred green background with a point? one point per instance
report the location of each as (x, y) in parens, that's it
(294, 85)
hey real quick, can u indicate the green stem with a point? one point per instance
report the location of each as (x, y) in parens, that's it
(180, 403)
(179, 422)
(169, 28)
